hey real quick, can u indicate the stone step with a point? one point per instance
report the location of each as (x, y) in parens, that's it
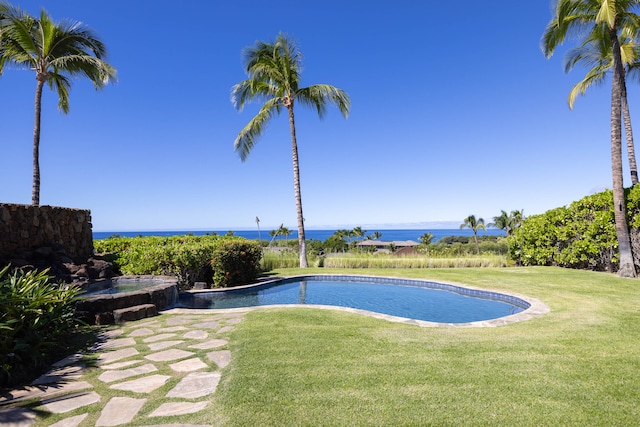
(136, 312)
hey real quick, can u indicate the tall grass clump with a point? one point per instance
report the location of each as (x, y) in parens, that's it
(365, 260)
(272, 260)
(36, 321)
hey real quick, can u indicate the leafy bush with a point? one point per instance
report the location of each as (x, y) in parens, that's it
(236, 262)
(581, 235)
(186, 257)
(36, 318)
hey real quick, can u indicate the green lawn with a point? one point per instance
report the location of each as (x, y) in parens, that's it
(577, 365)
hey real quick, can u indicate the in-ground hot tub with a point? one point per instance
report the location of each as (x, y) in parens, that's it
(126, 298)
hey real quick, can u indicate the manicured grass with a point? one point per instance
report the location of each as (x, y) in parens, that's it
(577, 365)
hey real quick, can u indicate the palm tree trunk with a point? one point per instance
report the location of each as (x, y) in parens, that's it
(35, 191)
(631, 154)
(296, 186)
(475, 238)
(627, 268)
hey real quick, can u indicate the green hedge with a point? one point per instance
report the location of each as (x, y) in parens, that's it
(581, 235)
(236, 262)
(36, 318)
(188, 258)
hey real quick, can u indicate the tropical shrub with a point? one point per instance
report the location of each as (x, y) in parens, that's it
(236, 262)
(188, 257)
(581, 235)
(36, 320)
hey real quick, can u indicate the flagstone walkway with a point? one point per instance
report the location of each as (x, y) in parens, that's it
(159, 368)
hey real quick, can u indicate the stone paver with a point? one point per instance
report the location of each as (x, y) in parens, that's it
(179, 321)
(196, 384)
(132, 359)
(160, 345)
(69, 360)
(234, 320)
(189, 365)
(167, 355)
(207, 345)
(120, 365)
(141, 332)
(115, 343)
(119, 410)
(117, 375)
(175, 329)
(207, 325)
(111, 334)
(143, 385)
(64, 404)
(112, 356)
(225, 329)
(159, 337)
(70, 422)
(178, 408)
(220, 358)
(17, 417)
(196, 335)
(58, 375)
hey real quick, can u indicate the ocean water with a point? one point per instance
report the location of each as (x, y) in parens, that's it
(387, 235)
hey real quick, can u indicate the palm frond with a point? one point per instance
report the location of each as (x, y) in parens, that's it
(62, 85)
(246, 139)
(594, 77)
(318, 95)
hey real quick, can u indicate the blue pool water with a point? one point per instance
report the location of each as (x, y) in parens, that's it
(414, 299)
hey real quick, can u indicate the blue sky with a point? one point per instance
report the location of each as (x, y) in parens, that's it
(455, 111)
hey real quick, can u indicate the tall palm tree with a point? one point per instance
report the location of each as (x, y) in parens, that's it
(595, 52)
(57, 52)
(274, 75)
(582, 17)
(475, 225)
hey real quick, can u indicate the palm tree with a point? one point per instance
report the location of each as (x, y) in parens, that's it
(57, 52)
(507, 222)
(501, 222)
(377, 235)
(475, 225)
(426, 239)
(274, 75)
(595, 51)
(358, 232)
(582, 18)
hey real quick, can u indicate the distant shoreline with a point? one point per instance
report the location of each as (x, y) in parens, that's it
(386, 234)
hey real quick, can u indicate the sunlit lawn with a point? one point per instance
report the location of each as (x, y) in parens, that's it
(577, 365)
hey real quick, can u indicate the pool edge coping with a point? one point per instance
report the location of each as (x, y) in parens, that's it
(536, 307)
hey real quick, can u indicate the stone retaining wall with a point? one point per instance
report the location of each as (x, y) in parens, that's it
(24, 227)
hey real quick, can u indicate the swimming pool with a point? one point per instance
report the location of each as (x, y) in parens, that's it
(404, 298)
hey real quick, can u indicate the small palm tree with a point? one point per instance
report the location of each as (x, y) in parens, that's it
(358, 232)
(475, 225)
(274, 71)
(57, 52)
(426, 239)
(502, 222)
(377, 235)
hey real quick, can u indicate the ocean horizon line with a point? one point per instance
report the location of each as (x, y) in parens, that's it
(390, 234)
